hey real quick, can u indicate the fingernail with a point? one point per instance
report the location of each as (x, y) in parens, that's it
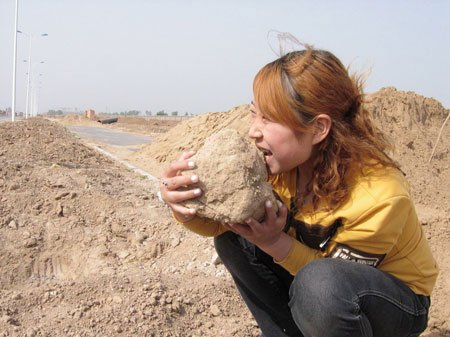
(192, 211)
(191, 164)
(194, 178)
(197, 191)
(268, 203)
(248, 220)
(279, 203)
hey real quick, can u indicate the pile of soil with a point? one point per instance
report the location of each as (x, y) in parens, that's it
(87, 250)
(189, 135)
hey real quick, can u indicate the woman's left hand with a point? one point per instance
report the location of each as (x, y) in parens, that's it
(263, 234)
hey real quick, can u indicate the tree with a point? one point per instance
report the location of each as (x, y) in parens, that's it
(161, 113)
(54, 112)
(174, 113)
(148, 113)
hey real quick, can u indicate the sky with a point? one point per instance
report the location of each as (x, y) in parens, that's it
(201, 56)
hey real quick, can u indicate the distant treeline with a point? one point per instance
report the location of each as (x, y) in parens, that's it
(147, 113)
(55, 112)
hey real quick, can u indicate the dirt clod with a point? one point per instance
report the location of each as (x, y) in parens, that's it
(233, 178)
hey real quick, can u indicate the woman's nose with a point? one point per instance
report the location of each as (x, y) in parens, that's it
(254, 131)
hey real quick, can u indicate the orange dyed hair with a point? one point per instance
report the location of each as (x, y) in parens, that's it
(300, 85)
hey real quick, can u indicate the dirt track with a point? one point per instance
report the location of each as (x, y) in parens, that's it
(87, 250)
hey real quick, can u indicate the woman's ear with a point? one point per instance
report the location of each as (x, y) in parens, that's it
(322, 128)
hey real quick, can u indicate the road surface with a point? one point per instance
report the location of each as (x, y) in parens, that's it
(109, 137)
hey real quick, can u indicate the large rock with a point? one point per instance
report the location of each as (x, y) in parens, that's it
(233, 178)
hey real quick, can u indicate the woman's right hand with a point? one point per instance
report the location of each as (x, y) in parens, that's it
(170, 182)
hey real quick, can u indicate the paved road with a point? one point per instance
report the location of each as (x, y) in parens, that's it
(110, 137)
(8, 119)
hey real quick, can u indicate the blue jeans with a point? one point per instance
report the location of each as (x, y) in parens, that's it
(328, 297)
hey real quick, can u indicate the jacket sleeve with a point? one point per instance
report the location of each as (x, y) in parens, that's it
(366, 238)
(202, 226)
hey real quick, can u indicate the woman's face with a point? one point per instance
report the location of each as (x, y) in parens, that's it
(283, 148)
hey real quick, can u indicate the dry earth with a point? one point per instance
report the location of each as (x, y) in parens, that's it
(234, 179)
(87, 250)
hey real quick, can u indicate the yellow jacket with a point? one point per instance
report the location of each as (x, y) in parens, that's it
(377, 226)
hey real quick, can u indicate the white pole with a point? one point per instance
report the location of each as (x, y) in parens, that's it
(13, 105)
(37, 97)
(31, 111)
(28, 77)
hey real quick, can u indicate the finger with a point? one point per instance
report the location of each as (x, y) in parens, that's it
(175, 197)
(226, 225)
(271, 214)
(178, 181)
(241, 229)
(177, 166)
(186, 155)
(183, 211)
(282, 213)
(253, 224)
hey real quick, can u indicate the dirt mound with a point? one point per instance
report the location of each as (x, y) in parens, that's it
(86, 250)
(413, 122)
(146, 125)
(191, 134)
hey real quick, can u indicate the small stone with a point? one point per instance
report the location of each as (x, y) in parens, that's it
(216, 259)
(5, 319)
(59, 210)
(14, 187)
(123, 254)
(215, 311)
(175, 242)
(29, 243)
(17, 296)
(62, 195)
(140, 237)
(117, 299)
(152, 301)
(31, 332)
(12, 224)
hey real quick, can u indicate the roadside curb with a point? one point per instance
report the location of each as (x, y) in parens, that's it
(130, 166)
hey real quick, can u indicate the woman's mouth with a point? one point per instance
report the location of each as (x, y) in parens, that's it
(267, 154)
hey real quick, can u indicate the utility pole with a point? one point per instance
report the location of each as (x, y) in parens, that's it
(13, 105)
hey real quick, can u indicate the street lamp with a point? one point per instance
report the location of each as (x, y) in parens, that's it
(30, 37)
(13, 105)
(38, 94)
(31, 90)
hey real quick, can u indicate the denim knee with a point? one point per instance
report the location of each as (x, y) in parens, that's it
(319, 292)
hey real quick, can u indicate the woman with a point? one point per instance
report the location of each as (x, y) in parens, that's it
(345, 254)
